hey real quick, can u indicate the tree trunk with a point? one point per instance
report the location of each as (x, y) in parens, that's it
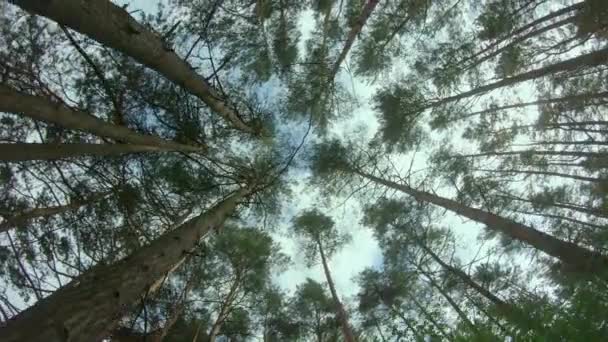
(587, 60)
(25, 151)
(451, 301)
(542, 153)
(346, 329)
(224, 311)
(526, 27)
(544, 173)
(29, 214)
(503, 307)
(521, 39)
(430, 318)
(114, 27)
(43, 109)
(88, 307)
(578, 97)
(578, 259)
(352, 35)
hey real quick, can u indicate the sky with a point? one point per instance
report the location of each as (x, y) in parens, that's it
(363, 250)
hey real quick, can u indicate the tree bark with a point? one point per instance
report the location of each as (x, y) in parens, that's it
(592, 59)
(450, 300)
(544, 173)
(579, 259)
(352, 35)
(88, 307)
(224, 310)
(342, 315)
(24, 151)
(40, 108)
(578, 97)
(114, 27)
(29, 214)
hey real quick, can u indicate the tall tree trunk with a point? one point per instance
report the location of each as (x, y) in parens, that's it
(521, 39)
(587, 60)
(578, 97)
(526, 27)
(225, 309)
(450, 300)
(578, 259)
(579, 154)
(114, 27)
(430, 318)
(504, 308)
(25, 151)
(585, 210)
(43, 109)
(346, 329)
(543, 173)
(355, 30)
(88, 307)
(28, 214)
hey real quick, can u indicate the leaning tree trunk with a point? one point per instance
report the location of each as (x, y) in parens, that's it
(29, 214)
(346, 329)
(88, 307)
(352, 35)
(587, 60)
(225, 309)
(113, 26)
(43, 109)
(578, 259)
(584, 97)
(25, 151)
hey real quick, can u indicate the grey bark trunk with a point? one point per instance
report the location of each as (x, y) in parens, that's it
(114, 27)
(29, 214)
(24, 151)
(577, 258)
(88, 307)
(40, 108)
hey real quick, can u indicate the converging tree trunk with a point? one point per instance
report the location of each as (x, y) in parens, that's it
(342, 315)
(29, 214)
(355, 30)
(40, 108)
(88, 307)
(25, 151)
(114, 27)
(577, 258)
(591, 59)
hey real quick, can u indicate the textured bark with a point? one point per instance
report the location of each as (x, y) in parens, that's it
(342, 315)
(587, 60)
(355, 30)
(25, 151)
(88, 307)
(40, 108)
(29, 214)
(114, 27)
(577, 258)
